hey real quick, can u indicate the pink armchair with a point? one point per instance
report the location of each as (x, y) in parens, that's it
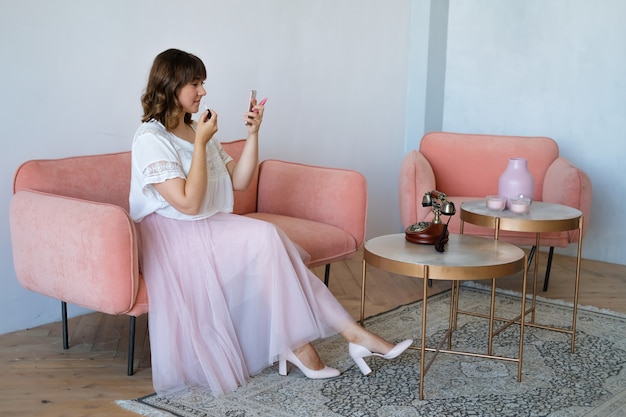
(467, 167)
(73, 240)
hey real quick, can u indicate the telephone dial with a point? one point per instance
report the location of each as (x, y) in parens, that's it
(434, 232)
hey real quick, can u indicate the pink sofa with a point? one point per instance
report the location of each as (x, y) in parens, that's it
(73, 240)
(467, 167)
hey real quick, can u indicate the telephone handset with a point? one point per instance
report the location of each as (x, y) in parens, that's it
(435, 232)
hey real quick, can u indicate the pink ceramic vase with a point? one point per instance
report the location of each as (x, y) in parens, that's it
(516, 180)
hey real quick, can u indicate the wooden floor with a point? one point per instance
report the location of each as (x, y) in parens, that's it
(39, 378)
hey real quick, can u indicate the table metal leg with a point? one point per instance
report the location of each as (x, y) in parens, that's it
(535, 275)
(363, 294)
(522, 323)
(577, 283)
(456, 286)
(492, 308)
(452, 317)
(423, 341)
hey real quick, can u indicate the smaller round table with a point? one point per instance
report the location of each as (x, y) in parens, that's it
(465, 258)
(542, 217)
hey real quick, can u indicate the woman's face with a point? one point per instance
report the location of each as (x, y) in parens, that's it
(190, 95)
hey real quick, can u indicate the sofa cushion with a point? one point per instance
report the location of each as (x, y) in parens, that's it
(323, 243)
(323, 195)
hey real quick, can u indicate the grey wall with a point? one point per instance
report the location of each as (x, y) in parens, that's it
(552, 68)
(72, 72)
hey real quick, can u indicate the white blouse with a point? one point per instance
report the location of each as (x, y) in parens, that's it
(159, 155)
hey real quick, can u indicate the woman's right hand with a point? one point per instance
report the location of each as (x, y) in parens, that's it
(187, 195)
(206, 128)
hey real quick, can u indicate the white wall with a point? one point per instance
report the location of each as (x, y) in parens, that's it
(427, 70)
(72, 73)
(552, 68)
(351, 83)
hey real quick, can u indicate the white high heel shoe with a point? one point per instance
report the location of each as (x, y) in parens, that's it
(358, 352)
(326, 372)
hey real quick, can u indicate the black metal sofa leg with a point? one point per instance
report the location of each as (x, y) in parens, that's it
(66, 344)
(327, 274)
(548, 267)
(531, 254)
(548, 264)
(131, 345)
(131, 337)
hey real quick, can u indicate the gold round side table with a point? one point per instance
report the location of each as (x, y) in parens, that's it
(465, 258)
(542, 217)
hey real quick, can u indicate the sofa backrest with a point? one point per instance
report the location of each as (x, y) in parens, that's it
(105, 178)
(470, 165)
(245, 200)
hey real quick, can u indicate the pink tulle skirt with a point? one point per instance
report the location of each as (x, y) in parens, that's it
(228, 294)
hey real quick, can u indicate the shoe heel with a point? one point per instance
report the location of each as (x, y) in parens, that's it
(282, 366)
(360, 362)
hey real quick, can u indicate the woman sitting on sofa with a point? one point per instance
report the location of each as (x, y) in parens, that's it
(229, 295)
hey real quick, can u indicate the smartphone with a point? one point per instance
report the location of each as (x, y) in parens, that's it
(250, 101)
(252, 98)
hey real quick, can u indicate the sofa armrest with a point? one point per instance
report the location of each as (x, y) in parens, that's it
(77, 251)
(333, 196)
(416, 178)
(568, 185)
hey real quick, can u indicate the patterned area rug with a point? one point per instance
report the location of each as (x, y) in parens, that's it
(555, 382)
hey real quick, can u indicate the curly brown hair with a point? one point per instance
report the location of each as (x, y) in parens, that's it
(171, 71)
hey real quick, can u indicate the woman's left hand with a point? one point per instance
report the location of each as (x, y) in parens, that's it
(254, 118)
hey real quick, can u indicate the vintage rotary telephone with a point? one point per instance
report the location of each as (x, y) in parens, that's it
(435, 232)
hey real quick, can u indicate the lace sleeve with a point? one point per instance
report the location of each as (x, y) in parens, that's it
(160, 171)
(221, 152)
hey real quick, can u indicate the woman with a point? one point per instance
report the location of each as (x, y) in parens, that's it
(229, 295)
